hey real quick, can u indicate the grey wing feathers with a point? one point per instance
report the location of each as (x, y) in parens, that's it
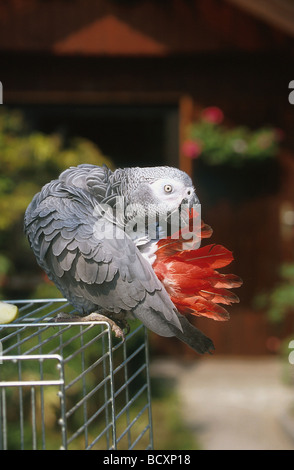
(94, 272)
(91, 178)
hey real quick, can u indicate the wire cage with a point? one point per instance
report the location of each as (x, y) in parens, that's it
(72, 385)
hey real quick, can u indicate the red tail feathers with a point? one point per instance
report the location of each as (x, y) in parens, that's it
(190, 276)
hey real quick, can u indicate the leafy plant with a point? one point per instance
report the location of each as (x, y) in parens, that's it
(31, 159)
(280, 300)
(215, 144)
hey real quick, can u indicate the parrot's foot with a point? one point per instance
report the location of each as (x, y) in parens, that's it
(95, 317)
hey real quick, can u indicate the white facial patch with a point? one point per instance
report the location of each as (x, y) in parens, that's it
(167, 190)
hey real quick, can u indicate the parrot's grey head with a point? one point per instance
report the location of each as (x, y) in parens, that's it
(157, 190)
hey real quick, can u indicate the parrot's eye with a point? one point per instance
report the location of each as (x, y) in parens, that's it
(168, 188)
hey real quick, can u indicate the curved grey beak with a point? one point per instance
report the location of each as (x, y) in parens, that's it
(191, 200)
(194, 201)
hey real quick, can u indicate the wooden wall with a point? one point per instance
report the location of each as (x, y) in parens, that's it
(133, 27)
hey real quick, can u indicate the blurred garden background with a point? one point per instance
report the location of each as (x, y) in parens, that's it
(198, 84)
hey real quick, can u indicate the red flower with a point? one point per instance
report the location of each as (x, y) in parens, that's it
(213, 114)
(192, 148)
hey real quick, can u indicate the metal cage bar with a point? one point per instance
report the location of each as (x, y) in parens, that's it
(72, 385)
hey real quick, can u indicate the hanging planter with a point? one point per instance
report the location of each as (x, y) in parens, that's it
(232, 162)
(234, 183)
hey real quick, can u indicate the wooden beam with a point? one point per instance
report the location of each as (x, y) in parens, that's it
(187, 113)
(278, 13)
(88, 97)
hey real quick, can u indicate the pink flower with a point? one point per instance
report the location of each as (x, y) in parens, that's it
(192, 148)
(213, 114)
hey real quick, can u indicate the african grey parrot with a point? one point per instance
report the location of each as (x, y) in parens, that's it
(76, 226)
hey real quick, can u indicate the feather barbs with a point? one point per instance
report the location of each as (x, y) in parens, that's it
(192, 279)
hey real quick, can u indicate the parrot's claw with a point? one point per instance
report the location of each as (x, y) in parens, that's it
(95, 317)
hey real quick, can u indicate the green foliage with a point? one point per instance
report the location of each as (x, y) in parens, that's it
(46, 290)
(31, 159)
(28, 160)
(216, 144)
(280, 300)
(169, 429)
(5, 266)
